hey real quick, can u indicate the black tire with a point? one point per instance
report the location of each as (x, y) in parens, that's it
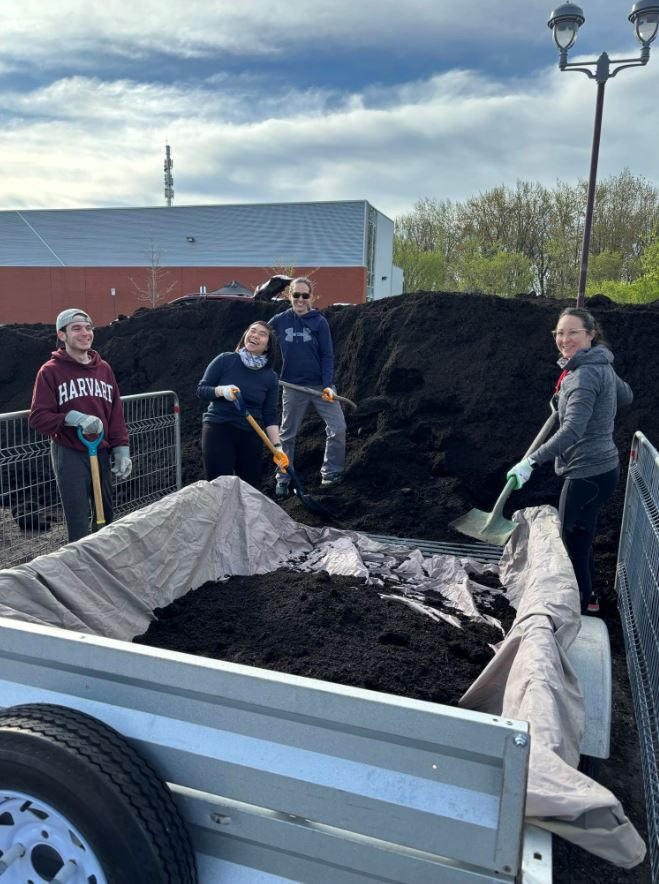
(93, 779)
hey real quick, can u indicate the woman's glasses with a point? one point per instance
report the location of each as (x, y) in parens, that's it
(570, 333)
(305, 295)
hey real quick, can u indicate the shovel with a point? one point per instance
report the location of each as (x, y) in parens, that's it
(312, 505)
(92, 447)
(493, 527)
(317, 393)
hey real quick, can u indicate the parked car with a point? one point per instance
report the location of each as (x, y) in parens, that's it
(236, 291)
(233, 291)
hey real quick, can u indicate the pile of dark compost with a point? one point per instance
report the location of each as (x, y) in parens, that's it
(452, 388)
(335, 628)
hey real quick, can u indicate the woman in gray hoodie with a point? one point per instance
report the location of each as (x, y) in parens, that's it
(588, 394)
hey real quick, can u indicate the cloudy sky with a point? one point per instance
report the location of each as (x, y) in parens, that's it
(286, 100)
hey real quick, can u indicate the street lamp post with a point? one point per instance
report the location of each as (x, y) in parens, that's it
(565, 22)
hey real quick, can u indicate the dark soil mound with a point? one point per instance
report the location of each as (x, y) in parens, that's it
(334, 628)
(451, 388)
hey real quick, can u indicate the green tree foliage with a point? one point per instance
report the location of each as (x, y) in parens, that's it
(510, 240)
(506, 272)
(424, 271)
(643, 290)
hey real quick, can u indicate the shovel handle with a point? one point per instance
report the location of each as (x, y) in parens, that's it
(96, 485)
(240, 405)
(92, 447)
(257, 428)
(313, 392)
(509, 487)
(543, 432)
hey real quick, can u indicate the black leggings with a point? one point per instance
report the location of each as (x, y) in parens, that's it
(579, 506)
(227, 449)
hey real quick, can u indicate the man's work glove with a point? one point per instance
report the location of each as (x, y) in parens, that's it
(328, 394)
(88, 423)
(521, 472)
(121, 462)
(229, 392)
(280, 457)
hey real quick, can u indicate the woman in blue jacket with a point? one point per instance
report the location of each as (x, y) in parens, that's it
(228, 444)
(308, 360)
(584, 454)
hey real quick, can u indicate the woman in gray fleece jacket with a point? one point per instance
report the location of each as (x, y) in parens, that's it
(588, 394)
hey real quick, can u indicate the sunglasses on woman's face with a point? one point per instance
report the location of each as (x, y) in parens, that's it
(305, 295)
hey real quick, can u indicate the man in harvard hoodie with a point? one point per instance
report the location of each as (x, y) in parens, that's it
(76, 388)
(308, 360)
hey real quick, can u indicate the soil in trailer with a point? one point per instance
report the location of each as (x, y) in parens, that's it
(338, 629)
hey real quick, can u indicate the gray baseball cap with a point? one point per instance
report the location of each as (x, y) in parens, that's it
(67, 316)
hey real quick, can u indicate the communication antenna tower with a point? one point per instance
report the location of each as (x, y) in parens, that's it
(169, 180)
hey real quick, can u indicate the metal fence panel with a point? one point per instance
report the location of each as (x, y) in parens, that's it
(637, 585)
(31, 517)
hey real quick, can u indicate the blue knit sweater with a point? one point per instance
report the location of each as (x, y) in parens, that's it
(258, 387)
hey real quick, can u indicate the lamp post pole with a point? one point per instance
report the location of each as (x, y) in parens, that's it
(565, 22)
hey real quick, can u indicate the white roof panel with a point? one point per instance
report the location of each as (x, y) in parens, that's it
(269, 234)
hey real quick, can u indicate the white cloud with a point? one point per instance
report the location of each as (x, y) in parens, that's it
(88, 139)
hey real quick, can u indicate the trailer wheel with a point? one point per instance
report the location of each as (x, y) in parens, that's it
(78, 802)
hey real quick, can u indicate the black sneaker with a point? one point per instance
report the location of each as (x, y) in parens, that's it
(332, 479)
(282, 491)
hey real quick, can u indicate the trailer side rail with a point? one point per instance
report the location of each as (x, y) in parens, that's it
(637, 586)
(292, 778)
(31, 517)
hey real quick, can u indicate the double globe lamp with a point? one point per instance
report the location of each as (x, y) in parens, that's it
(565, 22)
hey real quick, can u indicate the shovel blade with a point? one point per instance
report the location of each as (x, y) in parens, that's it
(312, 505)
(487, 527)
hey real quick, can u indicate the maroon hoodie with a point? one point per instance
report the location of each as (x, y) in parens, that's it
(64, 384)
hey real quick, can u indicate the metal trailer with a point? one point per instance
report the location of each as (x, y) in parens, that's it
(270, 777)
(637, 588)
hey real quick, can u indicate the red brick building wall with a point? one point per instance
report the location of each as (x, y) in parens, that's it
(37, 294)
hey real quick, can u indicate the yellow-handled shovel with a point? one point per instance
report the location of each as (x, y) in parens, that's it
(311, 504)
(92, 447)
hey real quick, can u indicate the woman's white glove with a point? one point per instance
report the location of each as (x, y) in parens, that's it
(88, 423)
(521, 472)
(122, 465)
(229, 392)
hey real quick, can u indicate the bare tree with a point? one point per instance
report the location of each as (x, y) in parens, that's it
(155, 288)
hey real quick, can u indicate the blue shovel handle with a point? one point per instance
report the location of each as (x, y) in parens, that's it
(91, 444)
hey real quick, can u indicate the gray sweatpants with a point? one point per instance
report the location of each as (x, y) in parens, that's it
(294, 407)
(74, 482)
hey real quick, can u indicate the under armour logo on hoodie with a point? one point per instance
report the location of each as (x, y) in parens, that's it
(305, 334)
